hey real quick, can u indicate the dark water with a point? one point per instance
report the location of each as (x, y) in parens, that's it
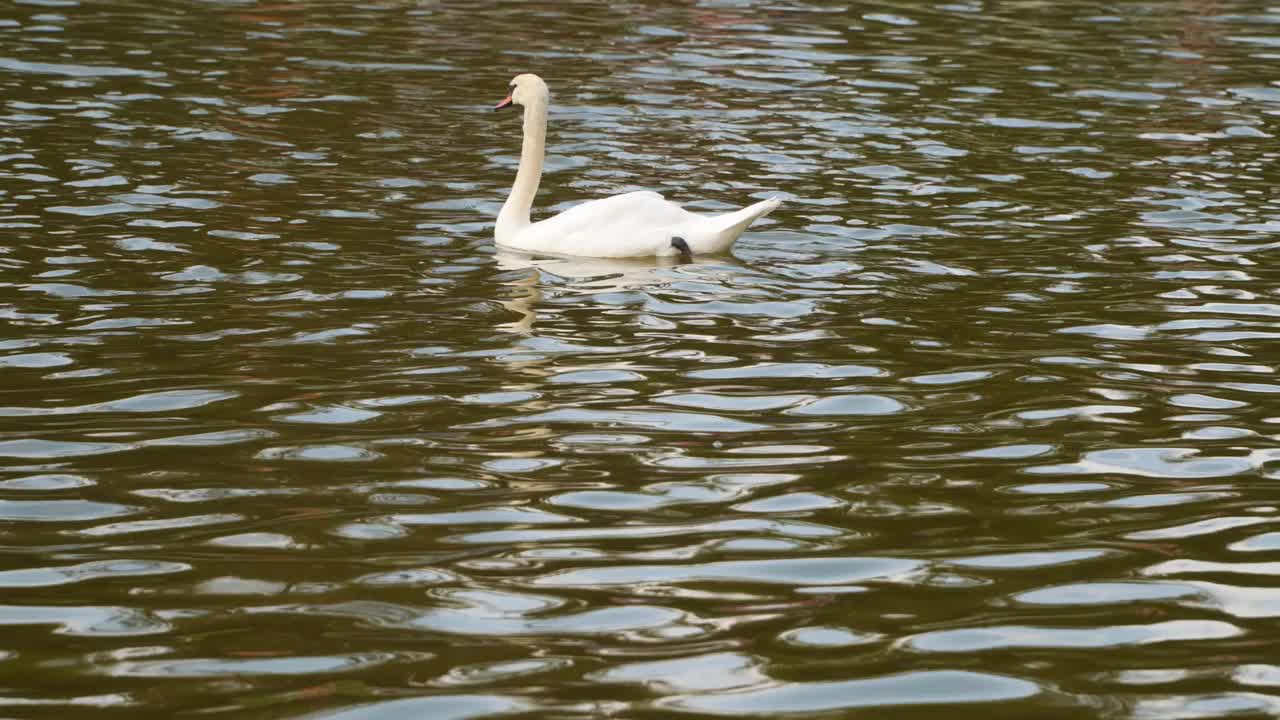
(983, 420)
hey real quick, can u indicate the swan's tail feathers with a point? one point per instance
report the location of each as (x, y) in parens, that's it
(729, 227)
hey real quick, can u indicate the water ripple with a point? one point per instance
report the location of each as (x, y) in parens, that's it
(981, 419)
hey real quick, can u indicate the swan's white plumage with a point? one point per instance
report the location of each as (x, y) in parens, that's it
(631, 225)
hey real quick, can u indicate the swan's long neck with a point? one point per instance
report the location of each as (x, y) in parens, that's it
(515, 212)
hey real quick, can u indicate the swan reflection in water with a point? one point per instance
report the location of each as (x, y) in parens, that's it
(592, 276)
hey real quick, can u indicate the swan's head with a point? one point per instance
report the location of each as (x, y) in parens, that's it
(526, 89)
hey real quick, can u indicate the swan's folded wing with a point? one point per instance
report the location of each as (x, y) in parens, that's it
(630, 225)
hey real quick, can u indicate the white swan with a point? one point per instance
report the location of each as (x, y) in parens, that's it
(632, 225)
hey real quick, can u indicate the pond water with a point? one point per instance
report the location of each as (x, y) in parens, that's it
(983, 419)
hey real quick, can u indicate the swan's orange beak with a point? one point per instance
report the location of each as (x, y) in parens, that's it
(505, 103)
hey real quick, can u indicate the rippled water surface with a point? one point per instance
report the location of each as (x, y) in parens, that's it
(982, 420)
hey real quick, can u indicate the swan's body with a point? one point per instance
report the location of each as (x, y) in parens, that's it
(632, 225)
